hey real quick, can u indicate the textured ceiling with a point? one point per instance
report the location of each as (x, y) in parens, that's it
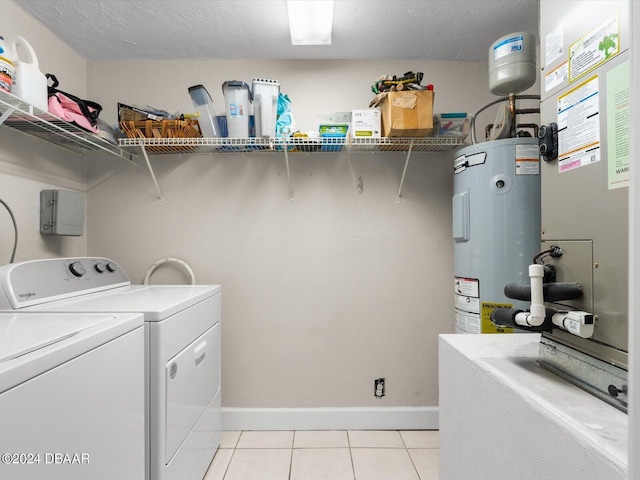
(246, 29)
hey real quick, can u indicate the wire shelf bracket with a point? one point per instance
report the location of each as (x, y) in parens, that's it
(289, 146)
(404, 172)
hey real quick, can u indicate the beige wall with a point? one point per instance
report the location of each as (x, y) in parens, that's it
(28, 165)
(322, 295)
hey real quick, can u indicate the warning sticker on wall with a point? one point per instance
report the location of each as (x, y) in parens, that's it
(556, 76)
(553, 45)
(487, 325)
(579, 126)
(595, 48)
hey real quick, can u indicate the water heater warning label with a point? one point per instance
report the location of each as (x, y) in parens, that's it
(527, 160)
(467, 294)
(487, 325)
(468, 322)
(467, 286)
(471, 315)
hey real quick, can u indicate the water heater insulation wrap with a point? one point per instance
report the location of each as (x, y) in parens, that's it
(496, 226)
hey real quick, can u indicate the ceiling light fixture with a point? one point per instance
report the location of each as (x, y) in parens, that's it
(310, 21)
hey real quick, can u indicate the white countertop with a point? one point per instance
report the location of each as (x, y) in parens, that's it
(513, 360)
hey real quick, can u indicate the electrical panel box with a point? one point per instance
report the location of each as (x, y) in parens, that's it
(62, 212)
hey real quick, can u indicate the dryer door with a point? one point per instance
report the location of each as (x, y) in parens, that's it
(192, 380)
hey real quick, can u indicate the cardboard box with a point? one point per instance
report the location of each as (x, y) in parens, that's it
(366, 123)
(408, 113)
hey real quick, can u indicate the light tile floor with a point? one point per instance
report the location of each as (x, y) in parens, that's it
(327, 455)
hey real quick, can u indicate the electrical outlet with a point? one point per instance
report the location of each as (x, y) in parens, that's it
(378, 387)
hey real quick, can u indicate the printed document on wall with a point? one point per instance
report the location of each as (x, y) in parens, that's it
(579, 126)
(618, 119)
(595, 48)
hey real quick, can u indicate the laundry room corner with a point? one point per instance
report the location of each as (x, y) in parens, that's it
(26, 168)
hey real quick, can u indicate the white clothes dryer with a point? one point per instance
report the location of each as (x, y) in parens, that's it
(71, 396)
(182, 349)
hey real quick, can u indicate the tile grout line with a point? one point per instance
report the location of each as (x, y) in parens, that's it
(226, 470)
(293, 442)
(233, 454)
(353, 468)
(406, 449)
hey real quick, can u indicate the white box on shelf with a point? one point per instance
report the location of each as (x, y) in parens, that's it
(366, 123)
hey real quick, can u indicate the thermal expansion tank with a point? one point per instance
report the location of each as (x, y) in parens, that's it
(496, 227)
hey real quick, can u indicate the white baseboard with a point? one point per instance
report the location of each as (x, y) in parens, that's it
(347, 418)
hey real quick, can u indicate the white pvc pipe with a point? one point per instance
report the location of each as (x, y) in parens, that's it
(537, 312)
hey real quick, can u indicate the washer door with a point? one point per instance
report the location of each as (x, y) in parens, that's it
(192, 380)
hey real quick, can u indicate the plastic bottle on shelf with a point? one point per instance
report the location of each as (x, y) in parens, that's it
(204, 104)
(30, 83)
(7, 66)
(265, 103)
(237, 98)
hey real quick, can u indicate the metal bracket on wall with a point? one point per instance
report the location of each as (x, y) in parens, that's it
(153, 176)
(404, 172)
(286, 159)
(7, 113)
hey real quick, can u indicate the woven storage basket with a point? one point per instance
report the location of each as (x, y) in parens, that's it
(163, 129)
(129, 114)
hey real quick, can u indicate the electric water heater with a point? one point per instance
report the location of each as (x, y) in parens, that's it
(496, 227)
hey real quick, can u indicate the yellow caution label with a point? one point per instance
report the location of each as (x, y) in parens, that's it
(487, 325)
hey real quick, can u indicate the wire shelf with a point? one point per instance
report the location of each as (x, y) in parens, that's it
(22, 116)
(291, 144)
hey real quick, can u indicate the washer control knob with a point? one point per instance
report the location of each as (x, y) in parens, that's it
(77, 269)
(100, 267)
(112, 267)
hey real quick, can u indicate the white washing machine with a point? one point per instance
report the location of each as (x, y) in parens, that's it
(71, 396)
(182, 349)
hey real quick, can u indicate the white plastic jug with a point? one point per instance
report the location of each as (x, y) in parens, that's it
(7, 66)
(203, 103)
(30, 84)
(265, 105)
(237, 95)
